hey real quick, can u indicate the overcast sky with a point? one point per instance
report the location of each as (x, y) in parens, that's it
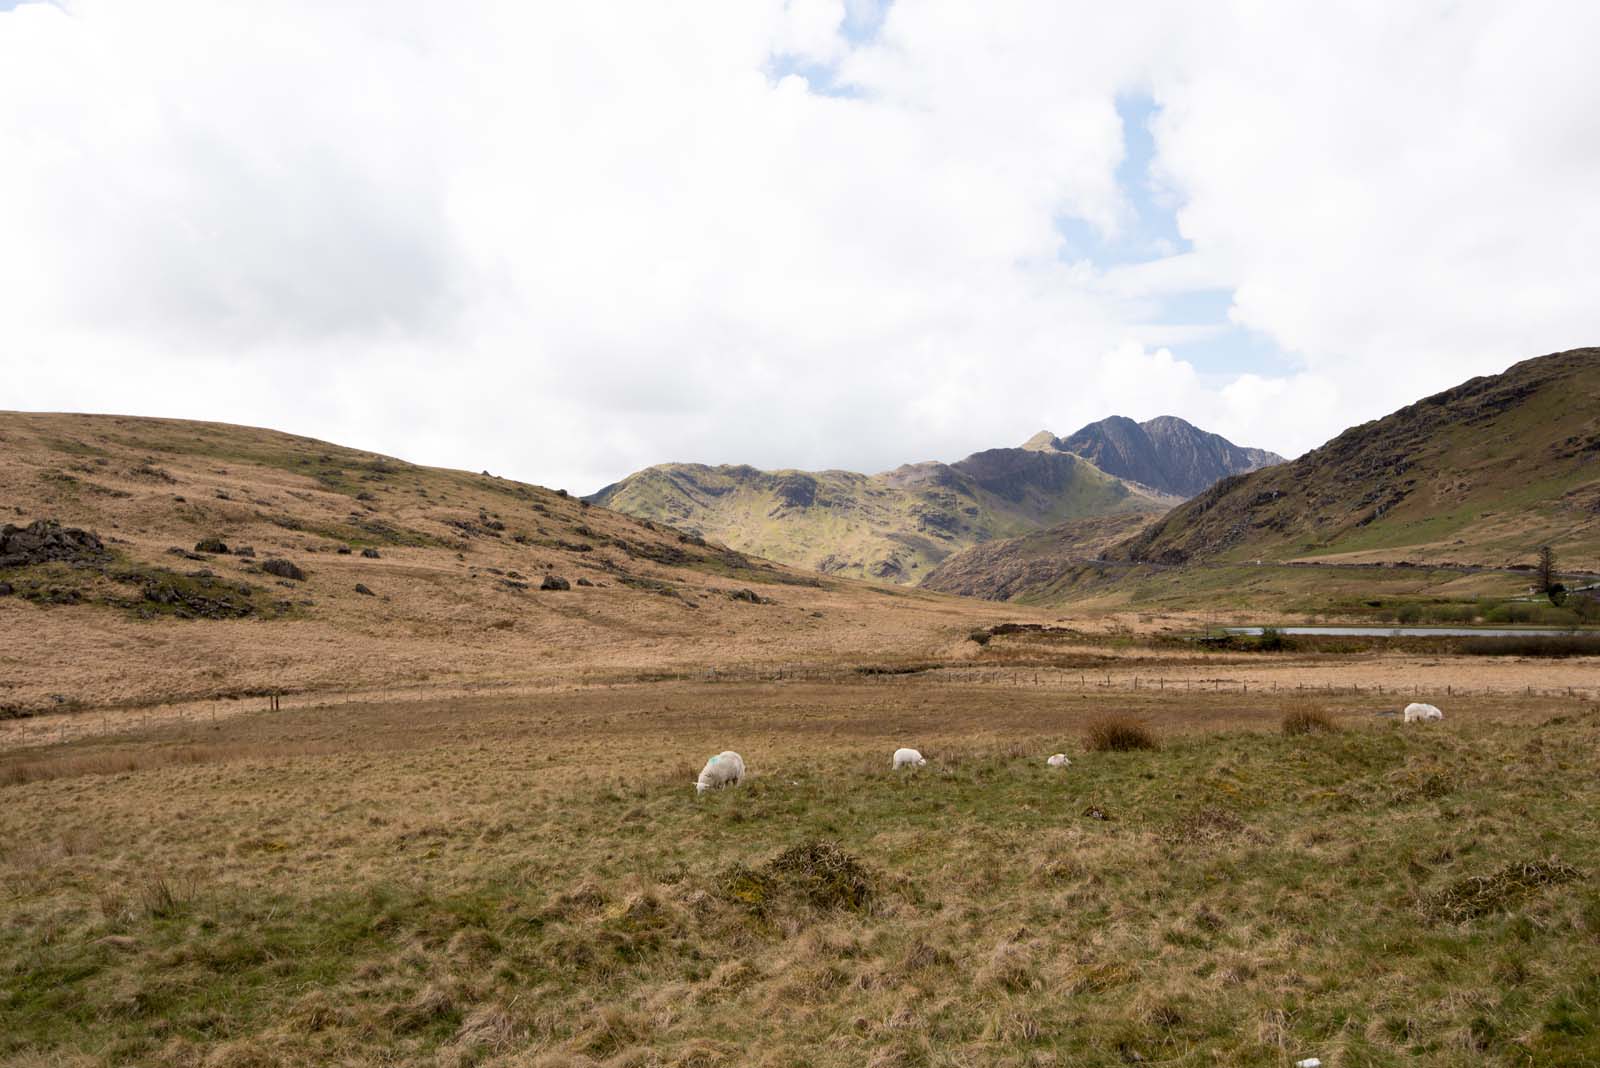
(564, 241)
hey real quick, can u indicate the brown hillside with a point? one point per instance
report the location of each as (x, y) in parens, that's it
(452, 565)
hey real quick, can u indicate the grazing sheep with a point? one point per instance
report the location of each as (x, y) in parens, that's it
(908, 758)
(1059, 761)
(724, 769)
(1416, 712)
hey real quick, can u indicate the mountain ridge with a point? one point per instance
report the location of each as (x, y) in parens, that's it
(900, 524)
(1168, 454)
(892, 526)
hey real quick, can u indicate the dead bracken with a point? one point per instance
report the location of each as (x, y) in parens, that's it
(1481, 895)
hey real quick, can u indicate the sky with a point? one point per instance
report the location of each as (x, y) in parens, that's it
(561, 242)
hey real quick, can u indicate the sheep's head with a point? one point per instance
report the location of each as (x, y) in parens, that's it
(699, 787)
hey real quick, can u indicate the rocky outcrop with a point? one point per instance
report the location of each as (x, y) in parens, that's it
(46, 541)
(283, 569)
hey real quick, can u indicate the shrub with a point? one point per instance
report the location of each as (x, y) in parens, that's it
(1308, 721)
(1119, 734)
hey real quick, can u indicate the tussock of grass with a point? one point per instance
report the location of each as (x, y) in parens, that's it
(1010, 967)
(1308, 721)
(1481, 895)
(1205, 825)
(817, 873)
(1119, 734)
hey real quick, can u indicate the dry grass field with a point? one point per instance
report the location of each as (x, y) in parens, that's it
(468, 835)
(532, 881)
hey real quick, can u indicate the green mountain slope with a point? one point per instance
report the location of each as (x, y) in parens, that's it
(1484, 473)
(893, 526)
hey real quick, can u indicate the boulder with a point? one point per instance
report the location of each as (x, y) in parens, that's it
(371, 554)
(362, 589)
(283, 569)
(551, 582)
(211, 545)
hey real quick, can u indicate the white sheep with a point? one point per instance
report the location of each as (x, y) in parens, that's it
(1416, 712)
(724, 769)
(1059, 761)
(908, 758)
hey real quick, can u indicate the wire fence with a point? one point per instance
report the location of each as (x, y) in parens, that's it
(56, 728)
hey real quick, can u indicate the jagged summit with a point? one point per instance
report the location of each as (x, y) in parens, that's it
(1167, 454)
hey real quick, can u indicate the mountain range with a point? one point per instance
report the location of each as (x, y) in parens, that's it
(899, 525)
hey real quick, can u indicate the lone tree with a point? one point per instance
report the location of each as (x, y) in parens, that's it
(1547, 577)
(1547, 568)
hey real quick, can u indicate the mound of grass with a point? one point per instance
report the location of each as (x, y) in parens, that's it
(1119, 734)
(818, 873)
(1205, 825)
(1308, 721)
(1481, 895)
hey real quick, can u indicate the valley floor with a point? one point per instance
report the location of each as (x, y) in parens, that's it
(527, 878)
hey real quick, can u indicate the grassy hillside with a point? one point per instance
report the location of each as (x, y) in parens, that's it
(1032, 567)
(410, 576)
(1483, 473)
(893, 526)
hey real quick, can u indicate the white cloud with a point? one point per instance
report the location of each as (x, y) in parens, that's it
(565, 242)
